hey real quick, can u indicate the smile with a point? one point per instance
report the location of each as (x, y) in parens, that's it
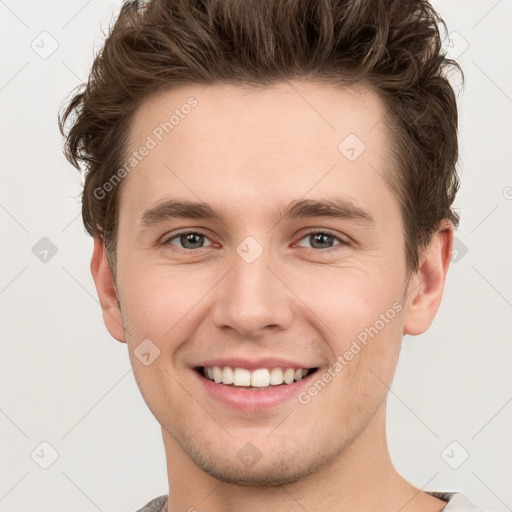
(261, 378)
(253, 390)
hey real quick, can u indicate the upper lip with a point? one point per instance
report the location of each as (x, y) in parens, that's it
(254, 364)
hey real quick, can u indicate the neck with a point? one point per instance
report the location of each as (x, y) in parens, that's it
(361, 478)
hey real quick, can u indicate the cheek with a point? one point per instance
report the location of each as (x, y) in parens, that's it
(359, 314)
(158, 301)
(351, 299)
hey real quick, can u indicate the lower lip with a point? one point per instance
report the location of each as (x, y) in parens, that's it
(253, 400)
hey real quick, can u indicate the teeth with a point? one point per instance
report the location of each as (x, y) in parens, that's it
(217, 374)
(288, 375)
(228, 376)
(276, 376)
(260, 378)
(242, 377)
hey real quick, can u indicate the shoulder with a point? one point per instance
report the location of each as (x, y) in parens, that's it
(154, 505)
(456, 502)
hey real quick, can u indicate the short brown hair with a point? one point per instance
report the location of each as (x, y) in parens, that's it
(392, 46)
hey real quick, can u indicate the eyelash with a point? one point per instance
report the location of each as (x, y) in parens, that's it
(341, 241)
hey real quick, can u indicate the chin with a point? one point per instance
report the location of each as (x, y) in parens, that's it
(272, 469)
(270, 475)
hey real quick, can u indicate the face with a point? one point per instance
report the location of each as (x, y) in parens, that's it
(290, 266)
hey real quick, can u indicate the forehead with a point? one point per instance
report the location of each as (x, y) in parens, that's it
(231, 142)
(279, 113)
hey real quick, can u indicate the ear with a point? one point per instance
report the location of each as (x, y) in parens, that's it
(106, 289)
(426, 286)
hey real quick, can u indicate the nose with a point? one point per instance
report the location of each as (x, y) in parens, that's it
(253, 298)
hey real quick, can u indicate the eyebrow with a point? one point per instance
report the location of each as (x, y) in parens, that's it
(338, 208)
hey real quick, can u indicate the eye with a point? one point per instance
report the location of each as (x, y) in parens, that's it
(323, 239)
(188, 239)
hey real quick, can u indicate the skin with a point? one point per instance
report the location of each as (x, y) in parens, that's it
(249, 151)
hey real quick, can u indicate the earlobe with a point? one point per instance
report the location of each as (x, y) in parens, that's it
(106, 289)
(426, 286)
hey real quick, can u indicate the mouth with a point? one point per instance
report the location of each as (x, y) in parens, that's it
(259, 379)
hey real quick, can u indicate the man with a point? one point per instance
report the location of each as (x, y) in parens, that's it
(269, 187)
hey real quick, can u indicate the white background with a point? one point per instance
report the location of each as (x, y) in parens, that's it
(65, 381)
